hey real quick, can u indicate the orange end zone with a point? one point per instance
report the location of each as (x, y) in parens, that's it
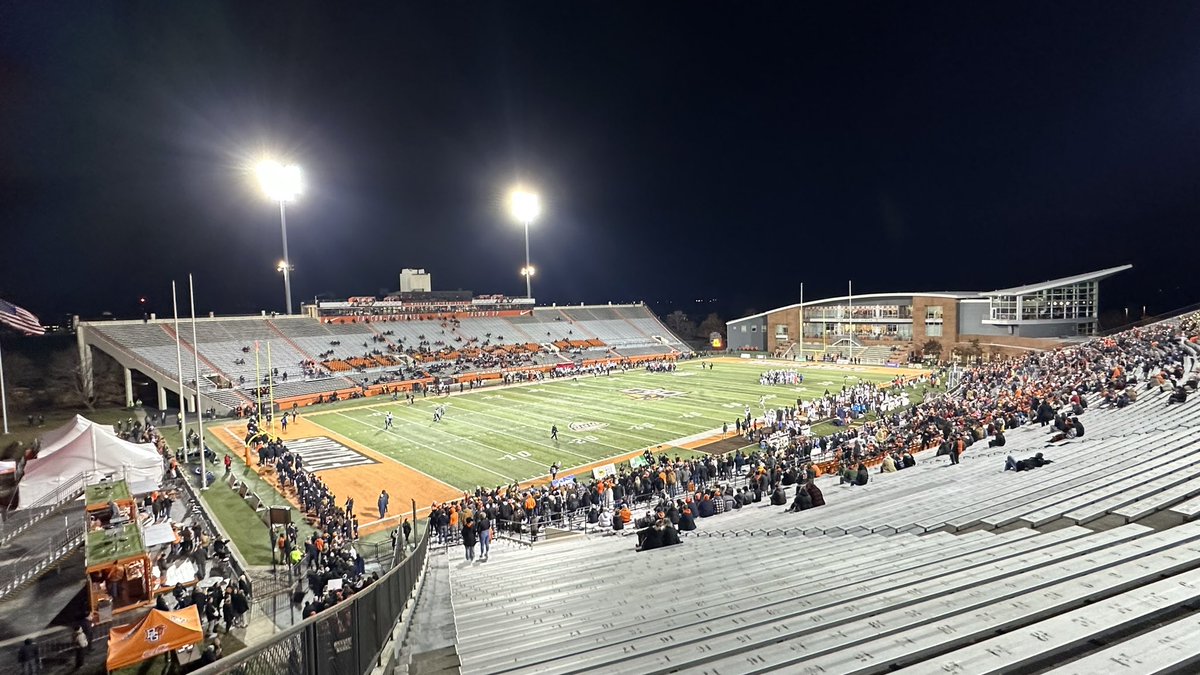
(363, 483)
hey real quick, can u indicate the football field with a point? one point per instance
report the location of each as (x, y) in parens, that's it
(497, 436)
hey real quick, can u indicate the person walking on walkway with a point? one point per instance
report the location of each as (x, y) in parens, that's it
(383, 504)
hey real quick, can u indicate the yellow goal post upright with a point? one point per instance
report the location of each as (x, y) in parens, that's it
(257, 388)
(270, 390)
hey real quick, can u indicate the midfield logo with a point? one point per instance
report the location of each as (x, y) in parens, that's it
(650, 394)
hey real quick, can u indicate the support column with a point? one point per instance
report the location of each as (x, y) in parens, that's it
(162, 397)
(128, 387)
(85, 365)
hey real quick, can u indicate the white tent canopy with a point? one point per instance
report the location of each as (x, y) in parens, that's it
(82, 446)
(55, 440)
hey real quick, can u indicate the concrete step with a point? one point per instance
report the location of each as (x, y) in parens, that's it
(442, 661)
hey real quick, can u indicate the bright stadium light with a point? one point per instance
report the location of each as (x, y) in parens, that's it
(525, 207)
(282, 183)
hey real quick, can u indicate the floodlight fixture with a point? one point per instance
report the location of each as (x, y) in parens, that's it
(525, 206)
(280, 182)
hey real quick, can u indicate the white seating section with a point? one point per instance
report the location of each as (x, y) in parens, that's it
(934, 569)
(626, 331)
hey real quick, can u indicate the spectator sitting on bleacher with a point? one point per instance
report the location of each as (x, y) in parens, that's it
(686, 522)
(1178, 396)
(888, 465)
(778, 495)
(657, 535)
(814, 492)
(997, 439)
(802, 502)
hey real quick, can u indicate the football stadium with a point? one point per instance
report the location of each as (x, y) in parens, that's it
(319, 473)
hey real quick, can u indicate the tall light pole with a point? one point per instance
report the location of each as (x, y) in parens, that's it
(525, 207)
(282, 183)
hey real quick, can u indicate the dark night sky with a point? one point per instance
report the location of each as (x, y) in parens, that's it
(684, 150)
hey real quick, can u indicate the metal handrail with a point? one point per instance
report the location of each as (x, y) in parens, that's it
(33, 563)
(13, 524)
(307, 633)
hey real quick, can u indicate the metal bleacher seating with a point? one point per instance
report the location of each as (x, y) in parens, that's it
(227, 347)
(932, 569)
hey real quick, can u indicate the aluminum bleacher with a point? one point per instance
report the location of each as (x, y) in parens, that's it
(227, 346)
(932, 569)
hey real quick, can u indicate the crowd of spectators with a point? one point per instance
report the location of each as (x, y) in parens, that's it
(333, 569)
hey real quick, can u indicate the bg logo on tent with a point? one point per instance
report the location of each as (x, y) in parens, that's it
(153, 634)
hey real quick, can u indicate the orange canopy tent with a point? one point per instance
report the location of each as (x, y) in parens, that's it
(157, 633)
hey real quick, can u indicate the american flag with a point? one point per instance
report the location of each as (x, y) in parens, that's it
(20, 319)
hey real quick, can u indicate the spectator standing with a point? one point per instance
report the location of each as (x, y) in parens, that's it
(27, 656)
(468, 538)
(383, 504)
(81, 644)
(484, 527)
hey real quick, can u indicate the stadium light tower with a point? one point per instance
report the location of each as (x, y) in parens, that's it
(282, 183)
(525, 207)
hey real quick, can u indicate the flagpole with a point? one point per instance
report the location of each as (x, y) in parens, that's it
(850, 301)
(199, 403)
(801, 322)
(179, 371)
(270, 390)
(3, 396)
(257, 390)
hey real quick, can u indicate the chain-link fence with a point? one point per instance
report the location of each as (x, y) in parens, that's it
(346, 639)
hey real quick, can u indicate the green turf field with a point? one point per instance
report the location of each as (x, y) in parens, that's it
(495, 436)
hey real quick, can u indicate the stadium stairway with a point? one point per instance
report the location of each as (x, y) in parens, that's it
(290, 342)
(46, 546)
(187, 346)
(429, 647)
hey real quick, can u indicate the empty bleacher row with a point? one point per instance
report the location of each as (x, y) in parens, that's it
(311, 356)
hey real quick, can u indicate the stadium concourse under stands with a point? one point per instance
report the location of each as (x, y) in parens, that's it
(1088, 564)
(373, 354)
